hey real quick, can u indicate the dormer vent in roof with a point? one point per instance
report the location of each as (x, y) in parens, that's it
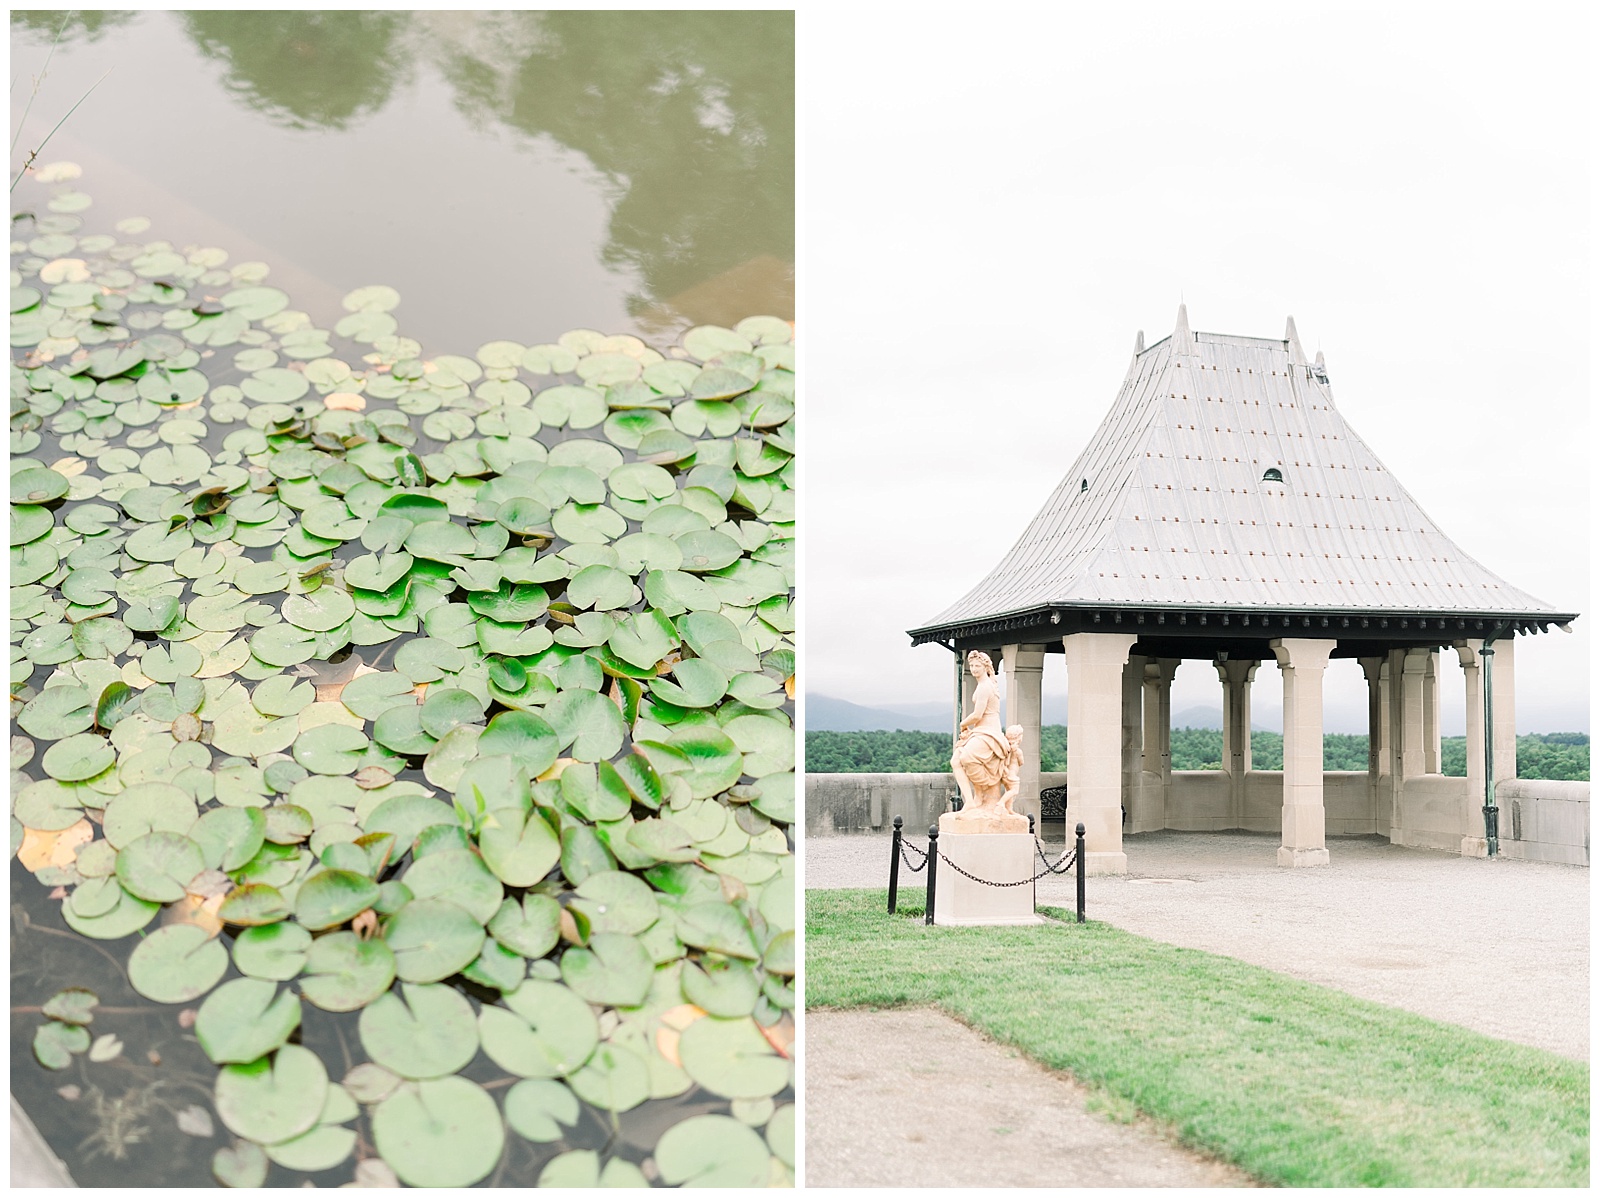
(1272, 475)
(1319, 371)
(1297, 356)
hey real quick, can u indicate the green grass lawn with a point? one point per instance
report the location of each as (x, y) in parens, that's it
(1294, 1083)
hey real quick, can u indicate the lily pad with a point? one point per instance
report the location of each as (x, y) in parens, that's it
(344, 972)
(432, 939)
(177, 964)
(269, 1100)
(442, 1132)
(245, 1019)
(545, 1030)
(732, 1058)
(422, 1032)
(712, 1150)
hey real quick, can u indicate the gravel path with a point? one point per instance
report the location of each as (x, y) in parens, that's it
(948, 1107)
(1499, 946)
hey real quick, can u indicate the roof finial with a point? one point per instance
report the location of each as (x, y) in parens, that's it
(1182, 338)
(1297, 356)
(1138, 343)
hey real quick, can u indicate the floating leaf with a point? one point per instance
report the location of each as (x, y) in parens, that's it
(55, 1044)
(712, 1150)
(732, 1058)
(545, 1030)
(177, 964)
(443, 1132)
(269, 1100)
(422, 1032)
(245, 1019)
(72, 1005)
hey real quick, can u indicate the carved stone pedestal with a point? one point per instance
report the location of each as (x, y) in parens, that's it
(995, 857)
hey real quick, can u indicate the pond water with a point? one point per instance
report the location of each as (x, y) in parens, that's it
(512, 176)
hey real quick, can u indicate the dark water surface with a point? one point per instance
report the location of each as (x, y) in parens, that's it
(512, 175)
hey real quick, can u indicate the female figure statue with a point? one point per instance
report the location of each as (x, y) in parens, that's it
(982, 748)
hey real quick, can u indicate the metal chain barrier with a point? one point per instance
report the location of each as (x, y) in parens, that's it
(905, 847)
(1060, 867)
(930, 857)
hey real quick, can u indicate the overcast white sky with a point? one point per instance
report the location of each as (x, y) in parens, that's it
(994, 201)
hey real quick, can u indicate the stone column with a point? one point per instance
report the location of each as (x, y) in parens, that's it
(1393, 731)
(1132, 734)
(1372, 670)
(1025, 706)
(1504, 732)
(1094, 690)
(1236, 679)
(1413, 710)
(1430, 714)
(1146, 813)
(1303, 662)
(1167, 666)
(1473, 843)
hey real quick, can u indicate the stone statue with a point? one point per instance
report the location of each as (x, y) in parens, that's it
(987, 761)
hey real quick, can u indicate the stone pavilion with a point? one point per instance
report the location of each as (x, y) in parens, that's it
(1225, 512)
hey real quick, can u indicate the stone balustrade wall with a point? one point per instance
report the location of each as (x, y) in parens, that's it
(1539, 821)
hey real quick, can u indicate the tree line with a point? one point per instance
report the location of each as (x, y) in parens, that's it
(1559, 756)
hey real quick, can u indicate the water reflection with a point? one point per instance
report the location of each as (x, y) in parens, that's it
(305, 69)
(684, 119)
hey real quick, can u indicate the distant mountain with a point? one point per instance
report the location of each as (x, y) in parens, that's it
(825, 714)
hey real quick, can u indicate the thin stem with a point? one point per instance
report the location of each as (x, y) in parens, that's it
(40, 148)
(39, 79)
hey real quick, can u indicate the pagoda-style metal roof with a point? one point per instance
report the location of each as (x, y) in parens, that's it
(1171, 508)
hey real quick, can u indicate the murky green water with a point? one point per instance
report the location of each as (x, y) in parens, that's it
(513, 175)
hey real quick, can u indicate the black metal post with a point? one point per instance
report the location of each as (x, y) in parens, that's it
(933, 869)
(1082, 868)
(894, 865)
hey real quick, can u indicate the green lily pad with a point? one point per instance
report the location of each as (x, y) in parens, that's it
(78, 758)
(159, 866)
(732, 1058)
(519, 848)
(616, 901)
(544, 1030)
(524, 736)
(245, 1019)
(75, 1004)
(332, 897)
(55, 1044)
(344, 972)
(128, 915)
(423, 1032)
(271, 1100)
(229, 836)
(458, 876)
(442, 1132)
(274, 952)
(530, 927)
(538, 1108)
(614, 1079)
(242, 1166)
(614, 970)
(712, 1150)
(177, 964)
(432, 939)
(254, 905)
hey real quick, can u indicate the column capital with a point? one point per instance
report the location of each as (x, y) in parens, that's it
(1303, 653)
(1237, 669)
(1417, 660)
(1023, 657)
(1468, 655)
(1109, 648)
